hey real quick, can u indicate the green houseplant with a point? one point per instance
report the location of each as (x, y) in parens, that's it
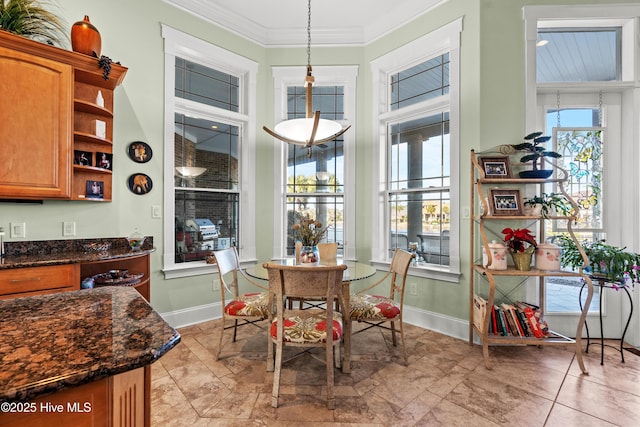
(549, 203)
(31, 19)
(606, 262)
(535, 145)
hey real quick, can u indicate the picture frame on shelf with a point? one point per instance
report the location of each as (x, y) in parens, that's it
(95, 190)
(104, 160)
(505, 202)
(82, 158)
(496, 167)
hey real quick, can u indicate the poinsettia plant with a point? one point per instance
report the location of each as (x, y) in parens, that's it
(519, 239)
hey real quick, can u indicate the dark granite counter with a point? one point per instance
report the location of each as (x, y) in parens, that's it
(51, 342)
(54, 252)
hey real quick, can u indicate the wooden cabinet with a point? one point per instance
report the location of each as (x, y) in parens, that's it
(136, 264)
(484, 224)
(108, 402)
(22, 282)
(51, 115)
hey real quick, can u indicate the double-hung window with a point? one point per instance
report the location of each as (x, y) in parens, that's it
(321, 185)
(416, 203)
(209, 132)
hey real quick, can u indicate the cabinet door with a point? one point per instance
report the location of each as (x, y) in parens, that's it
(35, 136)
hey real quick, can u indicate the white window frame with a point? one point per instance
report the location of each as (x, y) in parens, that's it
(445, 39)
(284, 77)
(182, 45)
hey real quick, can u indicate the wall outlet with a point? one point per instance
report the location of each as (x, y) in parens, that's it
(413, 289)
(18, 230)
(156, 212)
(216, 284)
(68, 228)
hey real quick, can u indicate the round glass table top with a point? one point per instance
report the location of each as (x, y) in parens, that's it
(355, 270)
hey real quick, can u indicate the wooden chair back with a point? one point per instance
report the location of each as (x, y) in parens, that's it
(328, 251)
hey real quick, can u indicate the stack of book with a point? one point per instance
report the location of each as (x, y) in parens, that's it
(520, 319)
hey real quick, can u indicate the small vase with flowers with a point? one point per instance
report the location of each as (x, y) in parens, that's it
(309, 232)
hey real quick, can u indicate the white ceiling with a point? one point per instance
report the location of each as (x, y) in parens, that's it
(284, 22)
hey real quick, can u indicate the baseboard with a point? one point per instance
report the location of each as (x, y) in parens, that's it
(445, 325)
(193, 315)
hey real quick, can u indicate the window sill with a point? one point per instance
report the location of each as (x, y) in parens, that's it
(427, 271)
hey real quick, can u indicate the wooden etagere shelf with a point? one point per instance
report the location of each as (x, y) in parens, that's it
(482, 219)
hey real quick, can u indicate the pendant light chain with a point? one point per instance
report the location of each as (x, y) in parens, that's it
(600, 108)
(558, 107)
(309, 35)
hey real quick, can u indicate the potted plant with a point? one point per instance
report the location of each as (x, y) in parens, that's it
(546, 204)
(609, 263)
(535, 145)
(521, 244)
(30, 19)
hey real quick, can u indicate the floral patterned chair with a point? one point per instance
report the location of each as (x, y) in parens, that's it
(250, 307)
(378, 310)
(304, 328)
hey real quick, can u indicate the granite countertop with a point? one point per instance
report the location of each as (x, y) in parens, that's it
(54, 252)
(51, 342)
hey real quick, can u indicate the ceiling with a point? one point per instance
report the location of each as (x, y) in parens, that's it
(284, 22)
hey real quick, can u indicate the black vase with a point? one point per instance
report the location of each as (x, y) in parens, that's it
(537, 174)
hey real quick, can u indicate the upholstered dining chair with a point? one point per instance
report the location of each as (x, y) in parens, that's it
(305, 328)
(328, 252)
(242, 308)
(378, 310)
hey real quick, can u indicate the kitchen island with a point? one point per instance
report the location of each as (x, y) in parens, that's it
(78, 357)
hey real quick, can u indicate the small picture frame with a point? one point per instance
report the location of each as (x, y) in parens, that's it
(140, 152)
(496, 167)
(95, 190)
(82, 158)
(139, 183)
(104, 160)
(505, 202)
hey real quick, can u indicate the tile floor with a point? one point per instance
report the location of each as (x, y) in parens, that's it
(446, 383)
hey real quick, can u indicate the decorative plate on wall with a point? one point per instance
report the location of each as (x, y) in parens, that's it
(140, 183)
(140, 152)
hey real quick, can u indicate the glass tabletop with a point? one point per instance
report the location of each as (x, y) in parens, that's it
(355, 270)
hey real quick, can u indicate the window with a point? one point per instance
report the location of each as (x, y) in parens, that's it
(322, 185)
(418, 153)
(208, 153)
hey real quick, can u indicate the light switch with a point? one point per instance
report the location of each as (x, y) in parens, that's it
(156, 212)
(18, 230)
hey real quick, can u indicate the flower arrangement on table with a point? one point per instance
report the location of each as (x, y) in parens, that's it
(309, 232)
(521, 245)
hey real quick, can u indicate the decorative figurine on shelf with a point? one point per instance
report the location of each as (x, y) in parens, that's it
(521, 244)
(536, 151)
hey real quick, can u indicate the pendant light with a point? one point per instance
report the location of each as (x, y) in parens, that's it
(311, 130)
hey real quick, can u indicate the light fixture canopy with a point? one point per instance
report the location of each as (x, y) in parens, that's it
(311, 130)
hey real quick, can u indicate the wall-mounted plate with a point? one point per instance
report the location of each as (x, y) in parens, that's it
(140, 152)
(140, 183)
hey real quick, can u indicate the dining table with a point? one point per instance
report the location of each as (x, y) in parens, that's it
(355, 271)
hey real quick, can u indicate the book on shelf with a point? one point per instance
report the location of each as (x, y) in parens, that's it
(514, 322)
(532, 319)
(503, 322)
(479, 312)
(494, 321)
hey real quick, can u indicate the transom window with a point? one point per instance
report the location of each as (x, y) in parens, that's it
(424, 81)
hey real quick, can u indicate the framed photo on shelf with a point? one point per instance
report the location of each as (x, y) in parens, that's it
(104, 160)
(496, 167)
(95, 190)
(82, 158)
(505, 202)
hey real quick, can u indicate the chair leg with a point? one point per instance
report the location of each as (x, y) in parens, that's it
(330, 381)
(276, 376)
(220, 341)
(270, 355)
(404, 348)
(235, 329)
(393, 334)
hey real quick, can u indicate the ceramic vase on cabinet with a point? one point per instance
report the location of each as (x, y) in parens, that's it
(85, 38)
(498, 256)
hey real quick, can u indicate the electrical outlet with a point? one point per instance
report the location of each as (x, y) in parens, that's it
(466, 213)
(216, 284)
(413, 288)
(156, 212)
(18, 230)
(68, 228)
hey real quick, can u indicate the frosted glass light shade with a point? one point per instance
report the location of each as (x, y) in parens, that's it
(300, 129)
(190, 171)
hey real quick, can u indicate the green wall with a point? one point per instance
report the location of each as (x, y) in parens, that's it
(492, 112)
